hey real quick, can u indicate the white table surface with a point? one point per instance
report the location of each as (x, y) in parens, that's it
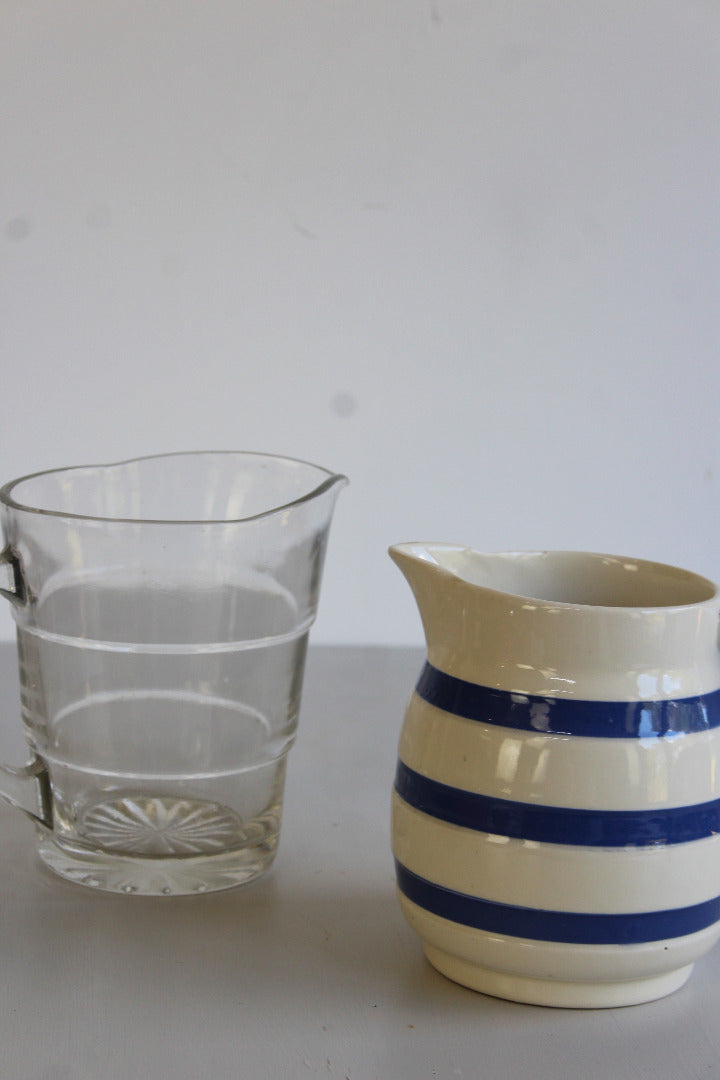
(310, 971)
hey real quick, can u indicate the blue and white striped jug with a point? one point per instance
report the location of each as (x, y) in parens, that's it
(556, 810)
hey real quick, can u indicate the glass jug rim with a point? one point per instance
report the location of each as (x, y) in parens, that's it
(330, 480)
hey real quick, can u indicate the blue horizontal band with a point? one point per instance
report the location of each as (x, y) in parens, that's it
(556, 824)
(570, 927)
(568, 716)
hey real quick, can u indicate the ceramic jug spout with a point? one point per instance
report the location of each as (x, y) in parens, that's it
(459, 592)
(522, 619)
(525, 617)
(416, 561)
(427, 577)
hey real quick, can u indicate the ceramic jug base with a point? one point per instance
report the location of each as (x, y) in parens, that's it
(551, 992)
(158, 876)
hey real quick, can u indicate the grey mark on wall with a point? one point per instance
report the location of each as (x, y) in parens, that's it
(344, 405)
(18, 228)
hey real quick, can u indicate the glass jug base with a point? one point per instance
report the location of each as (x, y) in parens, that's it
(160, 875)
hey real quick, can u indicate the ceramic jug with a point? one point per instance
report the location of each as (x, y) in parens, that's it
(556, 808)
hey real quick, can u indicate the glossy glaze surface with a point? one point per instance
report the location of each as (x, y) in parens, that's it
(557, 782)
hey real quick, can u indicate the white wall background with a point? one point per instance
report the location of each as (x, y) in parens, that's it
(465, 251)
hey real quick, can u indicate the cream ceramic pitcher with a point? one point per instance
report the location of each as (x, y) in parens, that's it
(556, 810)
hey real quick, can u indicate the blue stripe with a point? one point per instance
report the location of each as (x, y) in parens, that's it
(568, 716)
(565, 926)
(556, 824)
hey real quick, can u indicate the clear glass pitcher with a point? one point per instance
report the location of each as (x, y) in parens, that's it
(163, 607)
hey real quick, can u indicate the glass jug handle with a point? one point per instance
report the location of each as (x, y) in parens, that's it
(17, 593)
(26, 786)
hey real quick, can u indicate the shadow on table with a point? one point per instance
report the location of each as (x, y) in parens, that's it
(331, 945)
(253, 941)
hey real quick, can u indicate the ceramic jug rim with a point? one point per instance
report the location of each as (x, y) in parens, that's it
(706, 590)
(331, 479)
